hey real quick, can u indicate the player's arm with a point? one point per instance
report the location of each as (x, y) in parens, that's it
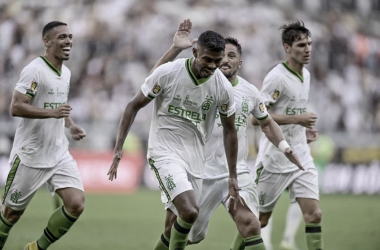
(77, 132)
(307, 119)
(181, 41)
(274, 134)
(21, 107)
(139, 101)
(231, 150)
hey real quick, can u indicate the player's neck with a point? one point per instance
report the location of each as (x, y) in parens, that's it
(54, 61)
(232, 79)
(297, 67)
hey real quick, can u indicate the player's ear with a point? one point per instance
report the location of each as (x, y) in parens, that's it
(195, 52)
(46, 41)
(240, 63)
(286, 47)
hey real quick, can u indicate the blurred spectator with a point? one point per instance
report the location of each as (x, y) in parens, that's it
(117, 42)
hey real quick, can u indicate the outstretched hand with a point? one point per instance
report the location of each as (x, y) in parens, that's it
(293, 158)
(112, 172)
(181, 39)
(233, 193)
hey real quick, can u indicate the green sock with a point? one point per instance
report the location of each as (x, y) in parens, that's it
(179, 234)
(5, 227)
(59, 223)
(238, 243)
(314, 236)
(162, 243)
(254, 243)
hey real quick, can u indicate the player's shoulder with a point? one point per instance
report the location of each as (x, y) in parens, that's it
(247, 87)
(306, 72)
(33, 67)
(277, 73)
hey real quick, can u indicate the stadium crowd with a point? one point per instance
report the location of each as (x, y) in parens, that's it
(116, 43)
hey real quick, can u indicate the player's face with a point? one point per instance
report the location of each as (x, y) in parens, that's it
(60, 42)
(300, 51)
(231, 61)
(206, 62)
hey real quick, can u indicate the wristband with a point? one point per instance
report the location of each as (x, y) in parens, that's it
(283, 145)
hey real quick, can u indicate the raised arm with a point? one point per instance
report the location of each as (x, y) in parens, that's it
(181, 41)
(139, 101)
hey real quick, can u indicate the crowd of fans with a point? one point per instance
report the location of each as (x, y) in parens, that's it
(117, 42)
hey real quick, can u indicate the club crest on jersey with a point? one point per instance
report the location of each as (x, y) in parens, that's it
(276, 94)
(156, 89)
(261, 107)
(207, 104)
(244, 107)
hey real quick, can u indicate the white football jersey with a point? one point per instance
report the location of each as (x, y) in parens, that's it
(286, 93)
(41, 142)
(248, 100)
(184, 111)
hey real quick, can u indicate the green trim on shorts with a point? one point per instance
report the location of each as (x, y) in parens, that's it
(151, 162)
(258, 173)
(11, 176)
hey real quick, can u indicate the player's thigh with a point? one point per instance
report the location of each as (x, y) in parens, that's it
(212, 195)
(22, 183)
(270, 187)
(67, 180)
(174, 180)
(305, 184)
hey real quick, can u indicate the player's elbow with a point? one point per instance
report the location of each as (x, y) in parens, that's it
(15, 110)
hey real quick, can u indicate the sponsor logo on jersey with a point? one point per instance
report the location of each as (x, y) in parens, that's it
(33, 87)
(261, 107)
(156, 89)
(192, 116)
(223, 108)
(52, 105)
(276, 94)
(295, 111)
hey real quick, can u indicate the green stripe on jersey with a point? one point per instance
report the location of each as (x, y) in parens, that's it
(293, 72)
(51, 66)
(262, 118)
(11, 176)
(234, 83)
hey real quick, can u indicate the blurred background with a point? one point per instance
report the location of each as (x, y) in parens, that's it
(117, 42)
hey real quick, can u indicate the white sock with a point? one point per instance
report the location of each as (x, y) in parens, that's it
(293, 221)
(266, 235)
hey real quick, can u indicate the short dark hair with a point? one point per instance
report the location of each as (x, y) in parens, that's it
(233, 41)
(293, 31)
(212, 41)
(48, 27)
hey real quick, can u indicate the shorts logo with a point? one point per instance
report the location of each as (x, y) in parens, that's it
(261, 107)
(15, 196)
(262, 198)
(156, 89)
(169, 182)
(276, 94)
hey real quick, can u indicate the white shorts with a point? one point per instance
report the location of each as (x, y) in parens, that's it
(301, 184)
(174, 180)
(23, 182)
(214, 191)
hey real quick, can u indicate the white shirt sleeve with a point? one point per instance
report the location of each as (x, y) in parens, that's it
(271, 90)
(226, 106)
(28, 83)
(259, 109)
(155, 83)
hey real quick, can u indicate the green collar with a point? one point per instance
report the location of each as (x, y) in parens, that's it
(292, 71)
(59, 72)
(194, 79)
(234, 83)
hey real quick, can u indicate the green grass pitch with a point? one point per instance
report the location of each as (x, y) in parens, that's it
(136, 221)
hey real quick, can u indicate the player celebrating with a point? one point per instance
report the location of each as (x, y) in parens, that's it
(187, 95)
(285, 91)
(40, 150)
(214, 188)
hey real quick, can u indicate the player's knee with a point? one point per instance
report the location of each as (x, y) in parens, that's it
(76, 206)
(12, 215)
(313, 217)
(190, 214)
